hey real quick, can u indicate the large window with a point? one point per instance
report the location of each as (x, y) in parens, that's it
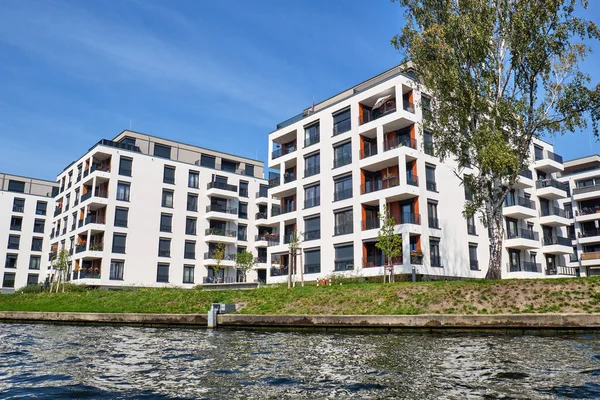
(228, 166)
(192, 202)
(16, 223)
(18, 205)
(35, 262)
(167, 198)
(116, 270)
(243, 190)
(428, 143)
(243, 210)
(312, 196)
(249, 170)
(162, 274)
(344, 257)
(342, 155)
(41, 207)
(166, 222)
(207, 161)
(16, 186)
(433, 215)
(471, 230)
(342, 188)
(38, 225)
(11, 261)
(9, 280)
(125, 165)
(312, 228)
(32, 279)
(312, 263)
(312, 165)
(169, 175)
(36, 244)
(121, 217)
(13, 242)
(123, 191)
(189, 252)
(193, 179)
(430, 178)
(434, 252)
(242, 232)
(162, 150)
(190, 226)
(164, 247)
(118, 245)
(188, 274)
(343, 222)
(311, 134)
(473, 257)
(341, 122)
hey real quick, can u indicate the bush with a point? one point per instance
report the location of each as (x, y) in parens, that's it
(69, 287)
(29, 289)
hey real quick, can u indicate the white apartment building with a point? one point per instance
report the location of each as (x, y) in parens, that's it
(25, 207)
(338, 163)
(583, 177)
(144, 211)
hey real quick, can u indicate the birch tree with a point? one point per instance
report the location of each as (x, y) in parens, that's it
(388, 242)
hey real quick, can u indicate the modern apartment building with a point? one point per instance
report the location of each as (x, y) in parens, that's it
(25, 207)
(583, 177)
(337, 164)
(145, 211)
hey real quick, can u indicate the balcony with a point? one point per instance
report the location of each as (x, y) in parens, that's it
(220, 212)
(590, 259)
(522, 239)
(57, 212)
(525, 180)
(289, 177)
(589, 235)
(282, 151)
(219, 235)
(586, 192)
(370, 223)
(408, 106)
(260, 215)
(86, 196)
(525, 266)
(388, 107)
(548, 162)
(398, 142)
(412, 179)
(368, 151)
(551, 189)
(89, 274)
(266, 239)
(227, 261)
(562, 270)
(519, 208)
(274, 180)
(406, 218)
(375, 186)
(555, 217)
(95, 219)
(222, 186)
(277, 270)
(80, 248)
(288, 208)
(557, 245)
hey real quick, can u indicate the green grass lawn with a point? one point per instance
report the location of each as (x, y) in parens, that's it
(464, 297)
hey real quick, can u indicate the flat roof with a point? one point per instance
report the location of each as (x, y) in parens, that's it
(29, 177)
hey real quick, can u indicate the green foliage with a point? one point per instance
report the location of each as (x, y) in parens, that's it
(388, 242)
(218, 255)
(500, 73)
(244, 261)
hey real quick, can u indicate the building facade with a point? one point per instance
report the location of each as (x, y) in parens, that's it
(26, 205)
(144, 211)
(335, 166)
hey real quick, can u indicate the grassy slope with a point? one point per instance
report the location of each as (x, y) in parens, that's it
(509, 296)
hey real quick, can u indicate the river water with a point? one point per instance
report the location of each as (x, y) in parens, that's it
(51, 362)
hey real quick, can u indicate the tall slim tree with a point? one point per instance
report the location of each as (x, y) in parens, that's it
(500, 73)
(388, 242)
(218, 254)
(244, 261)
(60, 264)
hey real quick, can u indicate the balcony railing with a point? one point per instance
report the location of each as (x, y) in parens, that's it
(222, 186)
(289, 177)
(275, 211)
(412, 179)
(519, 201)
(416, 259)
(220, 232)
(434, 223)
(124, 146)
(343, 229)
(523, 234)
(312, 202)
(368, 151)
(260, 215)
(586, 189)
(387, 108)
(288, 208)
(95, 219)
(562, 270)
(57, 212)
(263, 192)
(526, 173)
(396, 142)
(267, 237)
(341, 161)
(370, 223)
(342, 126)
(405, 217)
(373, 261)
(312, 171)
(226, 257)
(544, 183)
(342, 194)
(221, 209)
(408, 106)
(589, 232)
(343, 265)
(558, 240)
(79, 248)
(89, 274)
(312, 235)
(595, 255)
(274, 181)
(86, 196)
(559, 212)
(525, 266)
(374, 186)
(286, 149)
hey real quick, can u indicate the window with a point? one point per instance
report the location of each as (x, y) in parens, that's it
(538, 152)
(228, 166)
(192, 202)
(35, 262)
(188, 274)
(38, 226)
(473, 257)
(341, 122)
(36, 244)
(471, 226)
(162, 150)
(311, 134)
(430, 178)
(434, 252)
(207, 161)
(190, 226)
(344, 258)
(312, 264)
(16, 223)
(119, 243)
(312, 165)
(342, 155)
(312, 228)
(18, 205)
(169, 175)
(162, 274)
(243, 210)
(312, 196)
(342, 188)
(433, 215)
(193, 179)
(249, 170)
(428, 143)
(32, 279)
(125, 165)
(242, 233)
(40, 208)
(13, 242)
(243, 189)
(9, 280)
(426, 104)
(121, 216)
(128, 140)
(166, 222)
(343, 222)
(189, 250)
(116, 270)
(123, 191)
(16, 186)
(164, 247)
(11, 261)
(167, 198)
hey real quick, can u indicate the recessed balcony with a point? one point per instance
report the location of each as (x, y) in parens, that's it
(589, 235)
(222, 189)
(220, 236)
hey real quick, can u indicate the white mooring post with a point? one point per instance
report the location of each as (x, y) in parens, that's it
(212, 315)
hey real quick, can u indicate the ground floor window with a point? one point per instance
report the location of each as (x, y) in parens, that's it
(9, 280)
(116, 270)
(188, 274)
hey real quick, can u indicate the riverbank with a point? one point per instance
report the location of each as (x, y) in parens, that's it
(573, 295)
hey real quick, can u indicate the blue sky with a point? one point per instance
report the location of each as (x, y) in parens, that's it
(218, 74)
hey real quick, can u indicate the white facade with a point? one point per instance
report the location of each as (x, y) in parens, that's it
(388, 162)
(123, 213)
(26, 205)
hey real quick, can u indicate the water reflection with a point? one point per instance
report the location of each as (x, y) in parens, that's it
(103, 362)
